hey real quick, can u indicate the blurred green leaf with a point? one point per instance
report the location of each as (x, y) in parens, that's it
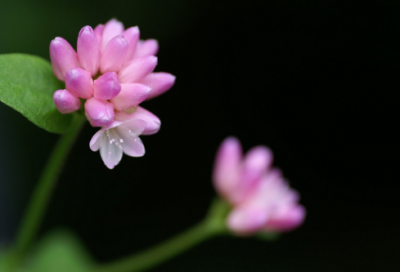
(3, 263)
(27, 85)
(60, 252)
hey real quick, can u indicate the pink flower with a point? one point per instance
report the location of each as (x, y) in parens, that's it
(113, 70)
(260, 197)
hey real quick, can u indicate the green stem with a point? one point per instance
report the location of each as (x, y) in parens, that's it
(37, 205)
(210, 227)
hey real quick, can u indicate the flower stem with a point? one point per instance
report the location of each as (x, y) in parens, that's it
(149, 258)
(37, 205)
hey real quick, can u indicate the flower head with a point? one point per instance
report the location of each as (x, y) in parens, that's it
(261, 199)
(113, 71)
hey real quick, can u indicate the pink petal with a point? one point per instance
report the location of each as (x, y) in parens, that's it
(79, 82)
(111, 29)
(271, 191)
(137, 69)
(256, 163)
(159, 83)
(98, 32)
(88, 50)
(63, 57)
(258, 159)
(106, 86)
(66, 102)
(131, 95)
(99, 113)
(114, 124)
(114, 55)
(290, 220)
(246, 220)
(132, 36)
(146, 48)
(226, 167)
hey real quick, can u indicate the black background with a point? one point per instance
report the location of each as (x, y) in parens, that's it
(313, 81)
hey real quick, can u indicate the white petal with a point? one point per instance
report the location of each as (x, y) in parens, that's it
(129, 133)
(132, 127)
(153, 122)
(110, 149)
(133, 146)
(96, 140)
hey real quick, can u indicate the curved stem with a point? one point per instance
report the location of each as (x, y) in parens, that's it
(158, 254)
(37, 205)
(149, 258)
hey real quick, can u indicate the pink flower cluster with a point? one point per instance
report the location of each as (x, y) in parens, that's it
(261, 199)
(112, 70)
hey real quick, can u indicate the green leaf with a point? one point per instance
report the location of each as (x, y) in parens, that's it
(3, 260)
(61, 252)
(6, 261)
(27, 84)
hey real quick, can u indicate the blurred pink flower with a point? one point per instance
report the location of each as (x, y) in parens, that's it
(260, 198)
(113, 70)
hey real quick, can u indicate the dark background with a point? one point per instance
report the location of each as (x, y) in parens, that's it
(313, 80)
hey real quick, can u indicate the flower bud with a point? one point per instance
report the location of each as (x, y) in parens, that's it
(99, 113)
(131, 95)
(132, 36)
(107, 86)
(88, 50)
(158, 82)
(98, 32)
(66, 102)
(111, 29)
(114, 55)
(146, 48)
(137, 69)
(63, 57)
(227, 167)
(254, 165)
(79, 82)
